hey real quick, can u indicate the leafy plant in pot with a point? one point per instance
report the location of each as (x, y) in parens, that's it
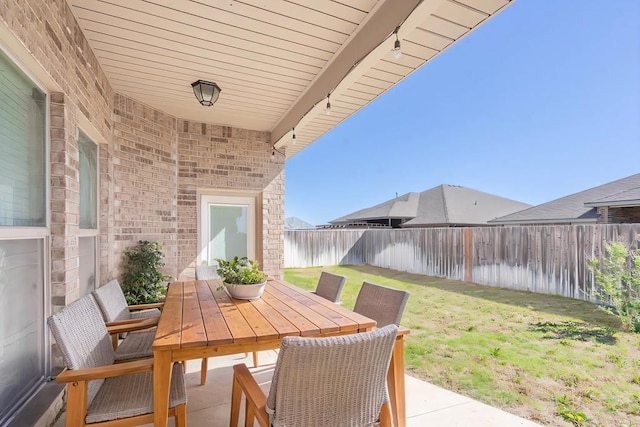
(242, 278)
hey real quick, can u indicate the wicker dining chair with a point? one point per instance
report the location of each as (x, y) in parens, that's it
(330, 286)
(328, 382)
(117, 313)
(382, 304)
(99, 390)
(114, 306)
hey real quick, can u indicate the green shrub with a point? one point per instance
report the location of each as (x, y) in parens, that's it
(143, 283)
(617, 275)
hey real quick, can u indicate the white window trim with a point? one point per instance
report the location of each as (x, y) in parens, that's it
(222, 198)
(40, 233)
(88, 232)
(92, 232)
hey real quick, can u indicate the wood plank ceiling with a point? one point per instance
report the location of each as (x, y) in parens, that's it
(275, 60)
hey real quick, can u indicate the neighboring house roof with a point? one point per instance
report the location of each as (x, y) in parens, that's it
(579, 207)
(624, 198)
(294, 223)
(404, 206)
(439, 206)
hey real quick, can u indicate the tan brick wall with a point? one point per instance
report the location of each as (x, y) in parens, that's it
(80, 93)
(141, 194)
(65, 198)
(273, 226)
(214, 158)
(144, 178)
(623, 214)
(145, 193)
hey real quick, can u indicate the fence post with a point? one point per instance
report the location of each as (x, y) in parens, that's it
(467, 247)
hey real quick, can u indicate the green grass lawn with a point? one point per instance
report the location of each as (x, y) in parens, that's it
(550, 359)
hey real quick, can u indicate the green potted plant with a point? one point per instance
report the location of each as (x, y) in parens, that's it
(242, 278)
(143, 282)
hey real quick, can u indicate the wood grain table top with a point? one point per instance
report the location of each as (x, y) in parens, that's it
(196, 314)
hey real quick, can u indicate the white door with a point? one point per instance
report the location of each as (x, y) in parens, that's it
(227, 228)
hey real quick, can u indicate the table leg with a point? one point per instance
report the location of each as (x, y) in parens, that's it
(161, 384)
(395, 383)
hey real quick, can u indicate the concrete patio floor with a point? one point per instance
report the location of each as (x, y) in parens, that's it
(427, 405)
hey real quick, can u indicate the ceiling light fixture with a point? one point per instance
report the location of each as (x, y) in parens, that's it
(396, 45)
(206, 92)
(327, 109)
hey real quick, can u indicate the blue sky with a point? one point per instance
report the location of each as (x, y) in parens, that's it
(538, 103)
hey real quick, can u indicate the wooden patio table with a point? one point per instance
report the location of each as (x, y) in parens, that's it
(199, 321)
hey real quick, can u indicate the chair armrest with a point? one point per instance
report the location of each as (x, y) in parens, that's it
(402, 330)
(108, 371)
(146, 306)
(133, 326)
(252, 391)
(125, 322)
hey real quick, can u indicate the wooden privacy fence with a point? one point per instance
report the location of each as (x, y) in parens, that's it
(545, 259)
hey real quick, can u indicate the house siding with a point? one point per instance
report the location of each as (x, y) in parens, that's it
(50, 34)
(151, 164)
(212, 157)
(619, 215)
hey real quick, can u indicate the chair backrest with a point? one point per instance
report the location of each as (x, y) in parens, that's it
(382, 304)
(82, 337)
(330, 286)
(112, 302)
(336, 381)
(206, 272)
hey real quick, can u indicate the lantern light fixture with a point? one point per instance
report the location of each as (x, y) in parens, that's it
(206, 92)
(397, 52)
(327, 109)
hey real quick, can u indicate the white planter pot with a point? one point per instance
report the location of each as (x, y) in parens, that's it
(249, 292)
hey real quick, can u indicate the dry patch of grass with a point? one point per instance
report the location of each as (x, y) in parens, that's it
(554, 360)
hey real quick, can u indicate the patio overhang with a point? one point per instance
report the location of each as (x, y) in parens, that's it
(275, 61)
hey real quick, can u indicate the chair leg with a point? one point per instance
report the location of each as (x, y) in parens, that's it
(255, 359)
(181, 415)
(76, 403)
(236, 397)
(203, 371)
(249, 416)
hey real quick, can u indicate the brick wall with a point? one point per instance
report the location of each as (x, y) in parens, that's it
(214, 157)
(53, 44)
(65, 198)
(627, 214)
(144, 178)
(151, 164)
(160, 164)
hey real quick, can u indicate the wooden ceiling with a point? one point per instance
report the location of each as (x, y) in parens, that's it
(275, 60)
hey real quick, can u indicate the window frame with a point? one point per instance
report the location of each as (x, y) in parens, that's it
(91, 232)
(41, 233)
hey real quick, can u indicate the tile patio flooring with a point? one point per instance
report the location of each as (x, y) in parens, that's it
(427, 405)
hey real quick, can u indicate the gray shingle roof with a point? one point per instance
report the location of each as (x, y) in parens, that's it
(572, 208)
(295, 223)
(401, 207)
(442, 205)
(624, 198)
